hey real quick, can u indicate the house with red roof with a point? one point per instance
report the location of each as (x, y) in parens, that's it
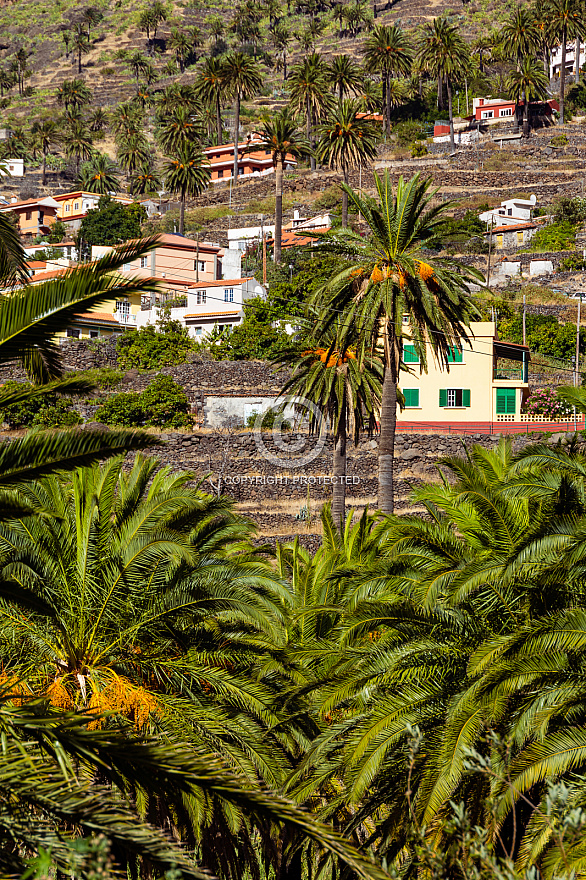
(257, 162)
(511, 235)
(35, 216)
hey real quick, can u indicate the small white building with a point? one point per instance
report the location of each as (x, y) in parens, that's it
(510, 212)
(240, 239)
(12, 168)
(209, 304)
(555, 63)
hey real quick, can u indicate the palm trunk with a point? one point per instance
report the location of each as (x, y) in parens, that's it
(388, 97)
(309, 135)
(440, 93)
(345, 197)
(563, 74)
(278, 209)
(182, 214)
(386, 120)
(79, 60)
(44, 179)
(284, 65)
(236, 132)
(388, 424)
(339, 490)
(218, 120)
(451, 115)
(525, 115)
(577, 57)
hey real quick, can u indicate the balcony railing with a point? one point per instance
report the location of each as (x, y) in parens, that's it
(511, 373)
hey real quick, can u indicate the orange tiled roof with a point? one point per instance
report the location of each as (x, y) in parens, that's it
(511, 227)
(220, 283)
(102, 317)
(213, 315)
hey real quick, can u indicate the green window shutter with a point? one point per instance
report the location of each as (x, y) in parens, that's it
(506, 401)
(465, 397)
(411, 396)
(455, 356)
(410, 356)
(443, 397)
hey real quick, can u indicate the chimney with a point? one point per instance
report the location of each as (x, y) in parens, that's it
(13, 200)
(295, 214)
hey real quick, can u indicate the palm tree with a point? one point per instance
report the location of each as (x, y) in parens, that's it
(309, 92)
(77, 141)
(187, 174)
(345, 141)
(210, 87)
(386, 278)
(132, 151)
(178, 129)
(6, 81)
(74, 94)
(346, 393)
(99, 175)
(144, 179)
(126, 119)
(530, 81)
(346, 75)
(181, 44)
(564, 17)
(45, 134)
(242, 79)
(282, 136)
(80, 44)
(138, 63)
(387, 52)
(519, 36)
(444, 54)
(281, 37)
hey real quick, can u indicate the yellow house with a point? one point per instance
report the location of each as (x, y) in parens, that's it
(486, 383)
(111, 316)
(72, 207)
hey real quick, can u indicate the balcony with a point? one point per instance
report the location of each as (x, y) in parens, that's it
(512, 372)
(510, 362)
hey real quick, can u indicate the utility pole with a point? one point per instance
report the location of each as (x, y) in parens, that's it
(264, 258)
(577, 367)
(524, 322)
(489, 253)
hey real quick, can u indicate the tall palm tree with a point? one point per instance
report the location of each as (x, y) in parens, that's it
(309, 93)
(281, 37)
(282, 136)
(138, 63)
(564, 18)
(242, 79)
(443, 52)
(182, 44)
(45, 134)
(386, 278)
(520, 35)
(99, 175)
(346, 141)
(387, 51)
(210, 88)
(80, 44)
(346, 75)
(186, 174)
(346, 393)
(77, 141)
(132, 151)
(530, 81)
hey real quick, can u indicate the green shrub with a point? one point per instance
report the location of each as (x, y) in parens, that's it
(571, 210)
(555, 237)
(49, 411)
(163, 404)
(268, 421)
(165, 344)
(418, 150)
(330, 198)
(407, 132)
(560, 140)
(573, 264)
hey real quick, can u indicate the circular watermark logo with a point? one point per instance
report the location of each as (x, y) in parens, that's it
(289, 448)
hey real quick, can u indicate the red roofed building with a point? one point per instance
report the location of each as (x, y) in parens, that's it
(511, 235)
(250, 161)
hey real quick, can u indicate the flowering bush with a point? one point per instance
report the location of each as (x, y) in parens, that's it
(545, 402)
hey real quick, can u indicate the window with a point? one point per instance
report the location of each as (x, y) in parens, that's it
(487, 114)
(510, 212)
(201, 297)
(94, 334)
(268, 153)
(123, 308)
(67, 209)
(229, 294)
(199, 265)
(76, 206)
(72, 333)
(506, 111)
(405, 319)
(240, 170)
(411, 396)
(499, 240)
(29, 215)
(198, 331)
(410, 356)
(506, 400)
(455, 356)
(143, 262)
(220, 174)
(519, 238)
(454, 397)
(41, 217)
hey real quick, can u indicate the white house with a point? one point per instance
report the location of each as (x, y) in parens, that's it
(555, 63)
(510, 212)
(209, 304)
(241, 238)
(12, 168)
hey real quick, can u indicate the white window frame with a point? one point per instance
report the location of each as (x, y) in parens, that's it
(123, 309)
(201, 297)
(228, 294)
(506, 111)
(487, 114)
(144, 262)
